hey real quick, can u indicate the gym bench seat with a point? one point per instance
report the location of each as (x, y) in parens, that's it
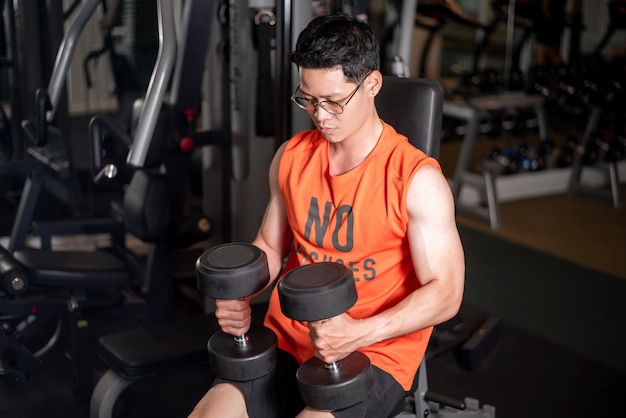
(147, 352)
(79, 268)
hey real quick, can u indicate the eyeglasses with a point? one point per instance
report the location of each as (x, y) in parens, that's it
(330, 106)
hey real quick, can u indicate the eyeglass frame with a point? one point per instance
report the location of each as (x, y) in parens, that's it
(321, 103)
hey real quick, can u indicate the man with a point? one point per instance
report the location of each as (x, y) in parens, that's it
(549, 25)
(356, 192)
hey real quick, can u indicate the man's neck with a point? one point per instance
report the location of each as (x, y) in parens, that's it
(351, 152)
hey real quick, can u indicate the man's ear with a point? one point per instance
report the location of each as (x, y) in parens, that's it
(374, 83)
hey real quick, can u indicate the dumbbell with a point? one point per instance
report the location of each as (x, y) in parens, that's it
(234, 271)
(317, 292)
(503, 161)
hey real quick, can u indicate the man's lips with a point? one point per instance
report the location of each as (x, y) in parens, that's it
(325, 129)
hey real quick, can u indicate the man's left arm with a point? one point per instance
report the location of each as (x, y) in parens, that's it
(439, 262)
(438, 259)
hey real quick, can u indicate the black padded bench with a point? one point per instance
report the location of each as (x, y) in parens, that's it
(146, 352)
(155, 350)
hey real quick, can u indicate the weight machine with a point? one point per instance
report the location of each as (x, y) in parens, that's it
(42, 285)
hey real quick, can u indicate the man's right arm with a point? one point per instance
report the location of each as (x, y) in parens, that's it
(274, 235)
(274, 238)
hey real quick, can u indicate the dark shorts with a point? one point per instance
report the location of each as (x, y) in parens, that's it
(276, 395)
(550, 31)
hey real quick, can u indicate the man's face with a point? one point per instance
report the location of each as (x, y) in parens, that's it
(319, 85)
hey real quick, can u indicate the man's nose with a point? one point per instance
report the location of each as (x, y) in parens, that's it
(320, 113)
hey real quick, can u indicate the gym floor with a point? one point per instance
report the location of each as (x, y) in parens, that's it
(558, 350)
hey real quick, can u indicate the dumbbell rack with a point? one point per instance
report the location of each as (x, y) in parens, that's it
(473, 110)
(610, 169)
(480, 194)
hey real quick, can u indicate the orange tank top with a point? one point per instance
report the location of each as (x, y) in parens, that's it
(358, 219)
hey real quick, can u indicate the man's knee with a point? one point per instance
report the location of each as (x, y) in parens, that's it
(222, 400)
(314, 413)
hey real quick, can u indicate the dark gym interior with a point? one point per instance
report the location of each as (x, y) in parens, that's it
(131, 142)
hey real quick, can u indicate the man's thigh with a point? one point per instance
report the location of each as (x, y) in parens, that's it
(385, 398)
(274, 395)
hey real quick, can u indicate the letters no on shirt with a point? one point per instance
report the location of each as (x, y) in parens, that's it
(342, 238)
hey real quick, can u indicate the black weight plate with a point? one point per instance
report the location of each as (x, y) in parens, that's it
(317, 291)
(241, 362)
(331, 389)
(232, 271)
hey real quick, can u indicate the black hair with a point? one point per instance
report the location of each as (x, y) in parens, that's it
(338, 40)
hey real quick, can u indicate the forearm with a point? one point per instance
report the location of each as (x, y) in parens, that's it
(275, 257)
(430, 305)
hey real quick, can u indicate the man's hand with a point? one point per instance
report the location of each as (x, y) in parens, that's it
(234, 315)
(335, 338)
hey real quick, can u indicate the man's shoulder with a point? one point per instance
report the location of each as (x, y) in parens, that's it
(399, 144)
(403, 155)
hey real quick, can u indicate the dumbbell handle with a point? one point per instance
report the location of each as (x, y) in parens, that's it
(332, 367)
(242, 339)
